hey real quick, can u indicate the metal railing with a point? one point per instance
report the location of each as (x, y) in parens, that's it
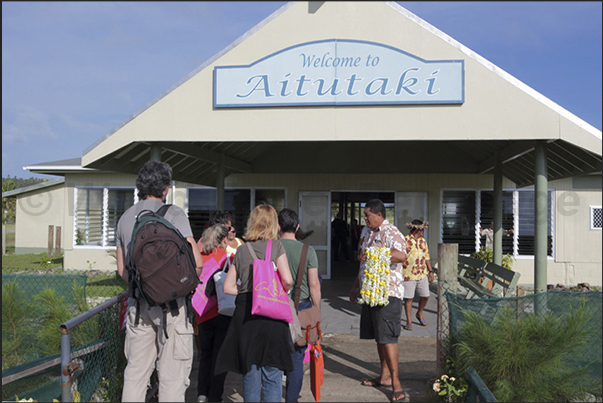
(97, 333)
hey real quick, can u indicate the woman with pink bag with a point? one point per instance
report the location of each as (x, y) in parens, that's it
(257, 346)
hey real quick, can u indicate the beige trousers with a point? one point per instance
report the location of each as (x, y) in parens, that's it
(146, 346)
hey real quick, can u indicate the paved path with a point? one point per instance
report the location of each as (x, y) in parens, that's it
(349, 360)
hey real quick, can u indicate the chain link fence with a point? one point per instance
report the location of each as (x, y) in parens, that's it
(34, 304)
(556, 307)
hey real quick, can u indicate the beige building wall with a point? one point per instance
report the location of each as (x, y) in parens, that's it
(36, 210)
(578, 256)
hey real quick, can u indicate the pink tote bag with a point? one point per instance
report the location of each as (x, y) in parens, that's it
(269, 298)
(201, 302)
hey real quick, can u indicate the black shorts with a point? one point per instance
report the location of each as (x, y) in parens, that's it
(382, 323)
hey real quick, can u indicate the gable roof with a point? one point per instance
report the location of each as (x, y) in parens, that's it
(500, 113)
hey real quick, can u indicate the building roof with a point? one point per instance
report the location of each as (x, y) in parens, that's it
(31, 188)
(500, 115)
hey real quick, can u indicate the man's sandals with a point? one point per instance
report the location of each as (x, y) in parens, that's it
(396, 396)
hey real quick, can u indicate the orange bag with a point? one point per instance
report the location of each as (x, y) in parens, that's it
(317, 368)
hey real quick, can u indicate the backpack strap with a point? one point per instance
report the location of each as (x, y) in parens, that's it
(163, 209)
(300, 274)
(268, 251)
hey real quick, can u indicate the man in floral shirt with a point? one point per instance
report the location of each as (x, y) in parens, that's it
(382, 322)
(417, 270)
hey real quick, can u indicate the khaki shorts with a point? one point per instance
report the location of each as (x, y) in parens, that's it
(422, 287)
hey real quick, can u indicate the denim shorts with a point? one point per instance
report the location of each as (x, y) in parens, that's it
(382, 323)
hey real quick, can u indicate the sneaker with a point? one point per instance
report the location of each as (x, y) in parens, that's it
(201, 398)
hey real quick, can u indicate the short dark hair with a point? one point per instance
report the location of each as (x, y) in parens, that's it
(416, 222)
(153, 178)
(376, 206)
(218, 217)
(288, 220)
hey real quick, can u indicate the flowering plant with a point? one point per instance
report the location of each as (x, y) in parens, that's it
(452, 392)
(375, 284)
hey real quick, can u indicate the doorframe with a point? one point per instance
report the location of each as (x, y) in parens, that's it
(320, 247)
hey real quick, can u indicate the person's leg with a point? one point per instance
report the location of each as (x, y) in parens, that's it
(423, 291)
(216, 388)
(386, 377)
(175, 356)
(422, 304)
(206, 341)
(295, 378)
(252, 385)
(391, 360)
(272, 384)
(408, 309)
(140, 351)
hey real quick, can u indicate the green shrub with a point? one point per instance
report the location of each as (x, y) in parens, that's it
(527, 359)
(486, 255)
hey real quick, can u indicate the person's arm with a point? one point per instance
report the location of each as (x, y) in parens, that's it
(397, 256)
(197, 254)
(121, 265)
(282, 265)
(431, 273)
(230, 282)
(314, 284)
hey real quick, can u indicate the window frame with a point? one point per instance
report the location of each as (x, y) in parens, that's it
(104, 214)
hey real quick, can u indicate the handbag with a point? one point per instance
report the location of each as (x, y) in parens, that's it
(269, 298)
(226, 302)
(317, 369)
(310, 318)
(202, 303)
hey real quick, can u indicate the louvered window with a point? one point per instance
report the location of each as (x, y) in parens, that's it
(97, 212)
(525, 230)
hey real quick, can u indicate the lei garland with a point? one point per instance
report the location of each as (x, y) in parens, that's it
(375, 285)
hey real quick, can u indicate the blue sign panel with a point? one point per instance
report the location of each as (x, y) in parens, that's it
(339, 72)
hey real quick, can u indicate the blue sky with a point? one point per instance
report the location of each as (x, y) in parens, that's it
(72, 71)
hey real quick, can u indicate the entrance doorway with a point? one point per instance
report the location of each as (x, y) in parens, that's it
(347, 221)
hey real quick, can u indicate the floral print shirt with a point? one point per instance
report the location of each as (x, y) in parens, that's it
(388, 235)
(417, 255)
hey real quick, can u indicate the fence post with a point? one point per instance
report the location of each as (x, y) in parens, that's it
(65, 373)
(57, 241)
(3, 239)
(447, 281)
(50, 239)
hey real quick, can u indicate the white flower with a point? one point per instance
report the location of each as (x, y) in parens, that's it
(375, 284)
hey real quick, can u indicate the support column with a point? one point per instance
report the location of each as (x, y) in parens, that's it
(220, 184)
(155, 153)
(498, 212)
(540, 219)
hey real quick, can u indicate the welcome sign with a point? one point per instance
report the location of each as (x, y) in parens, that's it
(339, 72)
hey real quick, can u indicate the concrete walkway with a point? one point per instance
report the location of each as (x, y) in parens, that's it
(349, 360)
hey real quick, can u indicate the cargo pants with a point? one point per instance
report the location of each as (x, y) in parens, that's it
(146, 345)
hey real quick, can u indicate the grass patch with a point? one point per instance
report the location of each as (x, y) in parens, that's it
(33, 261)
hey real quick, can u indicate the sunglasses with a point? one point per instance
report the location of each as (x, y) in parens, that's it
(232, 229)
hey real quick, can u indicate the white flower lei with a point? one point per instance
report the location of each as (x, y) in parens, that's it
(375, 285)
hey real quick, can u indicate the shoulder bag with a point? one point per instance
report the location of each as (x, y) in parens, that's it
(310, 318)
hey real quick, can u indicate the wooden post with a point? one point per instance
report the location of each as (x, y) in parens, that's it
(57, 242)
(50, 239)
(448, 260)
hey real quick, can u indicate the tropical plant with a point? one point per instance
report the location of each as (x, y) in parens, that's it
(527, 359)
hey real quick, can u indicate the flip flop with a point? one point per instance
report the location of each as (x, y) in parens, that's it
(407, 327)
(372, 383)
(422, 322)
(398, 396)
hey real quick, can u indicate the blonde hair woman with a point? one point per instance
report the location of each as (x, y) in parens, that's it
(257, 346)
